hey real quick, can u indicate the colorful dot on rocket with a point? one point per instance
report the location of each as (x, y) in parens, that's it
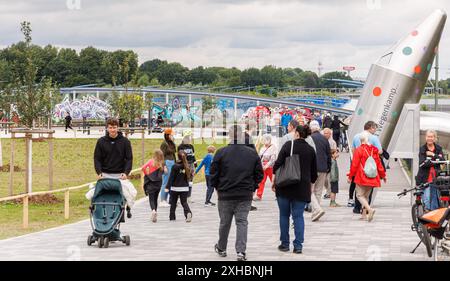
(377, 91)
(417, 69)
(407, 51)
(394, 114)
(415, 33)
(360, 111)
(429, 67)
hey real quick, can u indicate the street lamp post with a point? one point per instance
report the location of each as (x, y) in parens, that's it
(436, 82)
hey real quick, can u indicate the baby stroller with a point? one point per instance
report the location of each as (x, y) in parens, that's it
(107, 212)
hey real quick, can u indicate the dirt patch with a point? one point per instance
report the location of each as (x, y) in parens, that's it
(39, 140)
(45, 199)
(6, 169)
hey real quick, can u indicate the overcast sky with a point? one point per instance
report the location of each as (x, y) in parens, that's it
(241, 33)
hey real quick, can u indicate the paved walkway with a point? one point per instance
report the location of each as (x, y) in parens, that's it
(339, 235)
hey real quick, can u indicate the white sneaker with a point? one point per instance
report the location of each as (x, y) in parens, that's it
(164, 204)
(351, 203)
(189, 217)
(190, 200)
(154, 216)
(317, 215)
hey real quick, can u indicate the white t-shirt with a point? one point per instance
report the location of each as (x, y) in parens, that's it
(333, 144)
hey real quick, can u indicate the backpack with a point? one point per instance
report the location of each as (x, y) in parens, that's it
(370, 167)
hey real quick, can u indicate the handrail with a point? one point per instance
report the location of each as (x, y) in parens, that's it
(19, 196)
(25, 199)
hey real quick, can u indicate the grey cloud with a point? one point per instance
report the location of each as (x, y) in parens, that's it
(297, 32)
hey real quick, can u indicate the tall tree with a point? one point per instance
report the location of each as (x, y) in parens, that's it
(33, 100)
(172, 73)
(251, 77)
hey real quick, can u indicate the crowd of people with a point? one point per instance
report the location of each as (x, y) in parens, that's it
(302, 168)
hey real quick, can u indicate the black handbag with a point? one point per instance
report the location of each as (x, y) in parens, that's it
(289, 173)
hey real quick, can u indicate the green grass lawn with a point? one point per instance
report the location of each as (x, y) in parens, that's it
(73, 165)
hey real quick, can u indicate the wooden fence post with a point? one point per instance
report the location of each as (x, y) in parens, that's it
(143, 148)
(25, 211)
(50, 161)
(11, 166)
(66, 204)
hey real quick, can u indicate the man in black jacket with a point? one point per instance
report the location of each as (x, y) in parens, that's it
(323, 157)
(236, 171)
(113, 158)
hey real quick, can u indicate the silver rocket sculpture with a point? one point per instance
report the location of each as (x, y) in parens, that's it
(398, 77)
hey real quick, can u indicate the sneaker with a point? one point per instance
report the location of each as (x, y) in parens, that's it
(189, 217)
(219, 251)
(370, 215)
(351, 203)
(356, 211)
(210, 204)
(241, 257)
(154, 216)
(317, 215)
(334, 205)
(164, 204)
(326, 196)
(297, 251)
(283, 248)
(253, 208)
(129, 213)
(308, 208)
(257, 198)
(190, 200)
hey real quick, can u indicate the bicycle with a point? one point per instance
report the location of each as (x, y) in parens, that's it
(418, 210)
(433, 223)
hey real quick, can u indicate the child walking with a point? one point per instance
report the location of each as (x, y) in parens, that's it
(178, 186)
(151, 179)
(334, 179)
(207, 160)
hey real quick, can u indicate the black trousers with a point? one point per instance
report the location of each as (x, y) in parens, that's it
(336, 136)
(153, 199)
(174, 195)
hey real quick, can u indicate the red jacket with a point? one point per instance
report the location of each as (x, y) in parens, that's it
(357, 168)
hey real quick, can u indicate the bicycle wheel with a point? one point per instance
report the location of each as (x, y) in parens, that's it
(426, 240)
(417, 211)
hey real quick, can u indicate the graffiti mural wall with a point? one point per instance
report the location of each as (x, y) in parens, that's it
(89, 107)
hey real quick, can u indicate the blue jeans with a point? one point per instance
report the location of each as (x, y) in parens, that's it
(209, 190)
(431, 198)
(296, 208)
(165, 179)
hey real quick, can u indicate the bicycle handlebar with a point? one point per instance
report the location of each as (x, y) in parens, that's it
(435, 162)
(419, 187)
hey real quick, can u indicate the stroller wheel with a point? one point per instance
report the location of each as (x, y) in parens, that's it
(106, 242)
(127, 240)
(100, 241)
(90, 240)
